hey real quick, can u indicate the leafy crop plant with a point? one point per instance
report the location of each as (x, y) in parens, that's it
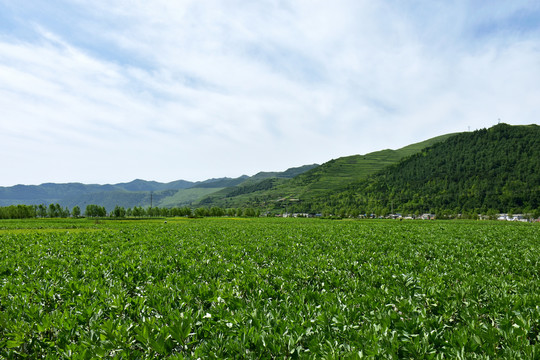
(269, 289)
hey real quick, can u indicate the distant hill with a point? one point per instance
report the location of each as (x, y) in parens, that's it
(48, 193)
(221, 182)
(67, 194)
(486, 171)
(143, 185)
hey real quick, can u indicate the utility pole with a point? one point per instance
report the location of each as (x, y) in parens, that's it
(151, 194)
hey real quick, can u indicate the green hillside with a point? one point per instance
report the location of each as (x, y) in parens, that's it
(287, 174)
(487, 171)
(332, 176)
(340, 172)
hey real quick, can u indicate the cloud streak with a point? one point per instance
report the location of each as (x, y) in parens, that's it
(115, 90)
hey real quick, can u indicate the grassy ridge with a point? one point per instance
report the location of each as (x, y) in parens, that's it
(330, 177)
(269, 288)
(336, 173)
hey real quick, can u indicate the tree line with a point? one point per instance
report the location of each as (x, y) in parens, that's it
(37, 211)
(97, 211)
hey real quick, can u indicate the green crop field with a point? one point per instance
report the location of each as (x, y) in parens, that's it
(269, 288)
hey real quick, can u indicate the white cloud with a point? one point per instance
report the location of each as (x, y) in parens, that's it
(167, 90)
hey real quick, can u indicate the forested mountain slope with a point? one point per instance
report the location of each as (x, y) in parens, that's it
(486, 171)
(340, 172)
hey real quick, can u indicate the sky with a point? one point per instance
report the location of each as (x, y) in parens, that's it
(112, 91)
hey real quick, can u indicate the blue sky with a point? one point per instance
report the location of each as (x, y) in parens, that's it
(110, 91)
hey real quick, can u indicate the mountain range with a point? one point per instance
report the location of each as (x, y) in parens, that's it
(496, 169)
(135, 193)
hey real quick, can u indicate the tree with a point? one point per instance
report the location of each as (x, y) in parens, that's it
(95, 211)
(138, 211)
(53, 211)
(41, 211)
(119, 211)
